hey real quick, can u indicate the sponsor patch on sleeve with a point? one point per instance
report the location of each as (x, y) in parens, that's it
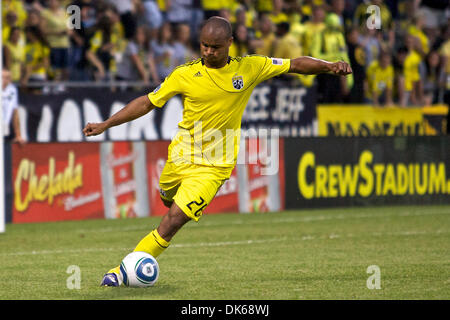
(277, 61)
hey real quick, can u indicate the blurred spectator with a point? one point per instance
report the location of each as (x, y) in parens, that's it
(197, 17)
(277, 15)
(241, 44)
(164, 6)
(79, 43)
(10, 117)
(137, 63)
(286, 46)
(37, 56)
(399, 77)
(330, 45)
(14, 14)
(357, 58)
(34, 18)
(54, 26)
(213, 7)
(337, 7)
(166, 57)
(264, 6)
(182, 44)
(152, 16)
(419, 76)
(416, 30)
(413, 84)
(434, 78)
(14, 54)
(125, 10)
(10, 104)
(362, 15)
(370, 41)
(380, 80)
(118, 33)
(315, 26)
(101, 48)
(266, 37)
(179, 11)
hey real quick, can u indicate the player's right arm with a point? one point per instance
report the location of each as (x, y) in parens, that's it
(133, 110)
(140, 106)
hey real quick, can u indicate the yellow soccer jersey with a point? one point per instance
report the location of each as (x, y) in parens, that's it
(411, 69)
(214, 101)
(379, 79)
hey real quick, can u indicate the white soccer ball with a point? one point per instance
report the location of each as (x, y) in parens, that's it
(139, 269)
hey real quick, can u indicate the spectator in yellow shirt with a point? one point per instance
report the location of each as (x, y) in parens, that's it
(13, 14)
(241, 44)
(37, 56)
(380, 79)
(277, 15)
(413, 85)
(54, 25)
(264, 45)
(330, 45)
(287, 46)
(315, 26)
(14, 51)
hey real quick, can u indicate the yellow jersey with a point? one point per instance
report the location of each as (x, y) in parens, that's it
(35, 54)
(214, 101)
(311, 29)
(378, 78)
(17, 52)
(411, 69)
(268, 44)
(57, 22)
(414, 31)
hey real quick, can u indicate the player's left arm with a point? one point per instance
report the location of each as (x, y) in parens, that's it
(310, 65)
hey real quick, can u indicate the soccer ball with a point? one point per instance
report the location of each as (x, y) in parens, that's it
(139, 269)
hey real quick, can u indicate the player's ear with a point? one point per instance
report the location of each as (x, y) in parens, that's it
(230, 41)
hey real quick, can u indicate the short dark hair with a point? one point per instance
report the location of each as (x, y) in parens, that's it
(219, 22)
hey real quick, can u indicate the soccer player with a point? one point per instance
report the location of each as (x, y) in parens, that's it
(215, 90)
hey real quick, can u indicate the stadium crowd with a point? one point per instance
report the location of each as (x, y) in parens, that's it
(399, 53)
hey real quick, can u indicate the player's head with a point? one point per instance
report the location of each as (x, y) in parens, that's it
(215, 41)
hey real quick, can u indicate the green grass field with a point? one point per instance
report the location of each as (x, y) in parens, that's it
(308, 254)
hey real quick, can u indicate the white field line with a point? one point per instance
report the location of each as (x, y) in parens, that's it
(278, 219)
(231, 243)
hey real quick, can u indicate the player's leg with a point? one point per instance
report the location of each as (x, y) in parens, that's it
(159, 239)
(155, 242)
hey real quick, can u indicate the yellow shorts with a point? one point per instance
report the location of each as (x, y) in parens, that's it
(191, 186)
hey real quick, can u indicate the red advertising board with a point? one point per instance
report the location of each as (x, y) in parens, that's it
(265, 168)
(156, 159)
(56, 181)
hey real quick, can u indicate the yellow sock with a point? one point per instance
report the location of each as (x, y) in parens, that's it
(115, 270)
(152, 244)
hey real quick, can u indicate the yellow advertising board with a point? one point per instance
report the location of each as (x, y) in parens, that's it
(363, 120)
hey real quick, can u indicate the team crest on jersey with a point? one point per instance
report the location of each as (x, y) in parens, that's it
(238, 82)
